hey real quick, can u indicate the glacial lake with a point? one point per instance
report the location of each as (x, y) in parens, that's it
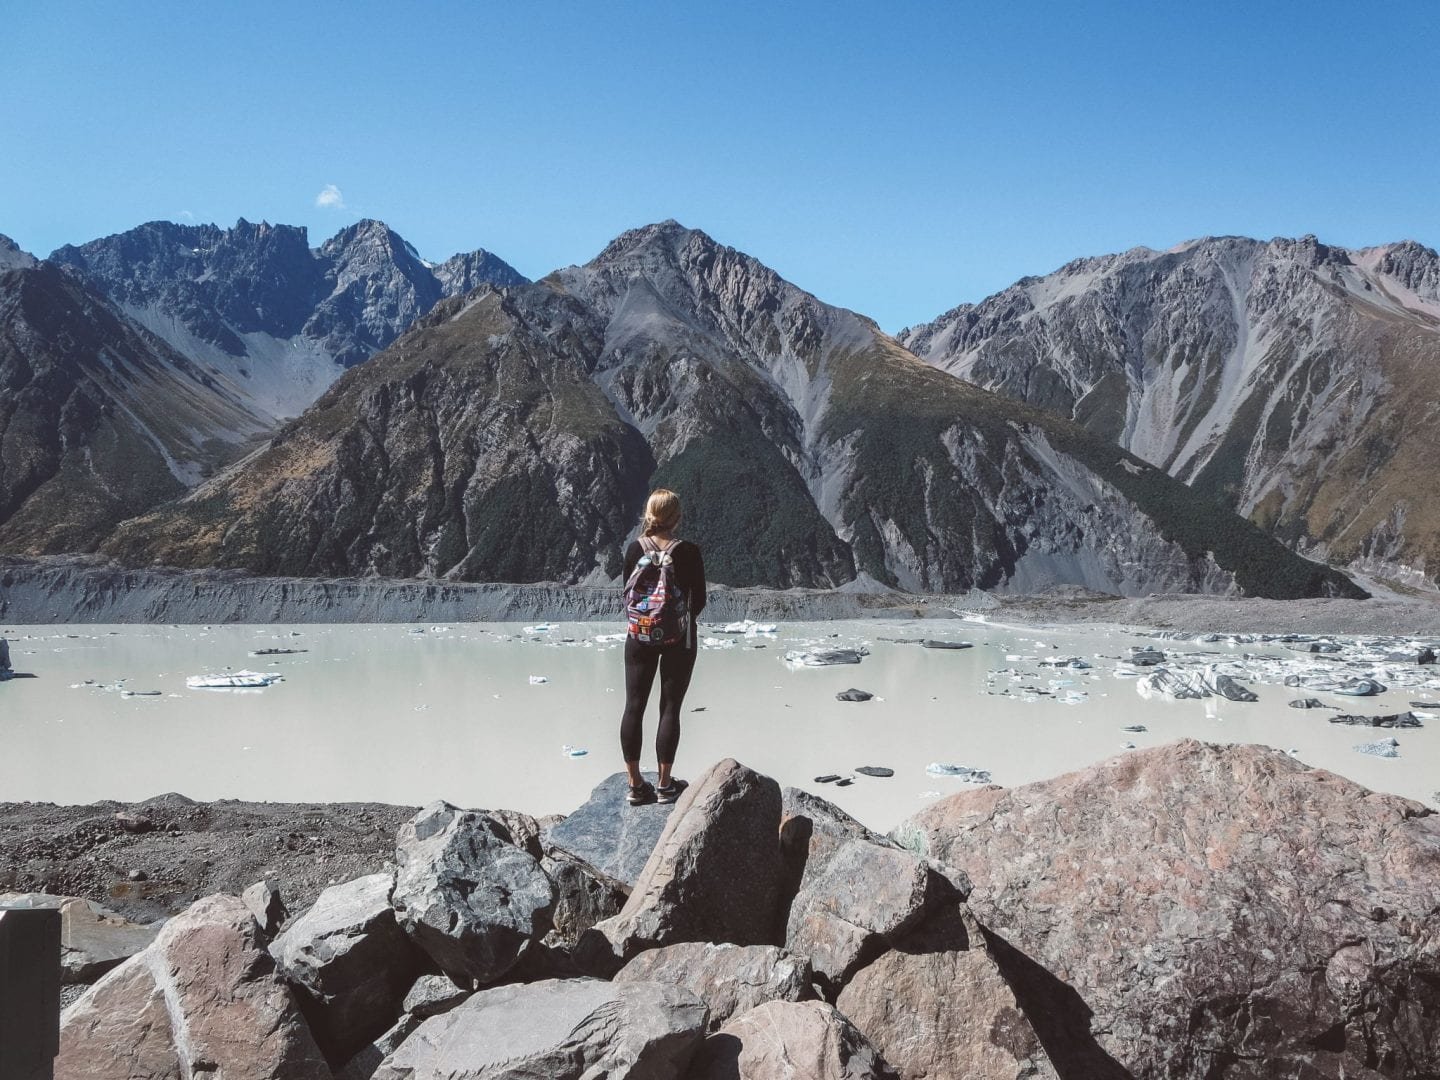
(400, 714)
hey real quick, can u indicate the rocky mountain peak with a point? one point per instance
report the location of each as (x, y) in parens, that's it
(12, 257)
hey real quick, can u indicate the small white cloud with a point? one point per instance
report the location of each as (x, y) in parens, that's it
(330, 198)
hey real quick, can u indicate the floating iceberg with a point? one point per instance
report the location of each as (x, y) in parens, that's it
(536, 680)
(960, 772)
(748, 627)
(233, 680)
(825, 657)
(1393, 720)
(1386, 748)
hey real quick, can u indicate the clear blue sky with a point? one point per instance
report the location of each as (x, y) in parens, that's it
(896, 158)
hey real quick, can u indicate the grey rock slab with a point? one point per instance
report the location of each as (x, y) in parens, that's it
(265, 903)
(730, 979)
(715, 875)
(560, 1029)
(783, 1040)
(865, 899)
(811, 831)
(584, 896)
(939, 1005)
(432, 995)
(524, 831)
(615, 838)
(93, 939)
(351, 962)
(466, 894)
(853, 694)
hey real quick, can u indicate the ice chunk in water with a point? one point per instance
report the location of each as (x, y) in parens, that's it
(1386, 748)
(960, 772)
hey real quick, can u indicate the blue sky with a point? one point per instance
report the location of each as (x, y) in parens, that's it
(896, 158)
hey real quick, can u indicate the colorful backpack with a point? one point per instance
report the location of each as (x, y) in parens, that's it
(655, 607)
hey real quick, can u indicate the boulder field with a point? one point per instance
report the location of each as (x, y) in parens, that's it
(1192, 910)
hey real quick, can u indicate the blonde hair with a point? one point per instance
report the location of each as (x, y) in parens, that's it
(662, 511)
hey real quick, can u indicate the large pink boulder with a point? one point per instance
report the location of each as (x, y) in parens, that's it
(202, 999)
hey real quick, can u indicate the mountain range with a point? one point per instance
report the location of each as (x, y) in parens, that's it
(372, 413)
(1294, 382)
(512, 434)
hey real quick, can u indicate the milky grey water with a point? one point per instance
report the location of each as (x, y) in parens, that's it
(384, 713)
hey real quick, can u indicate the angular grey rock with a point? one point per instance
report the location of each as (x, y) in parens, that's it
(350, 962)
(203, 999)
(784, 1040)
(432, 995)
(811, 831)
(867, 898)
(584, 897)
(523, 829)
(854, 695)
(1237, 884)
(939, 1005)
(265, 903)
(615, 838)
(730, 979)
(93, 939)
(714, 876)
(561, 1029)
(466, 895)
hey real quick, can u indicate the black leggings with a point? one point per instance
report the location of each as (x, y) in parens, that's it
(675, 663)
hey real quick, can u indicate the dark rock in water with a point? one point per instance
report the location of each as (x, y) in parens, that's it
(1272, 876)
(1308, 703)
(1315, 647)
(828, 778)
(265, 903)
(4, 655)
(726, 828)
(1425, 704)
(781, 1039)
(559, 1029)
(1227, 687)
(1134, 727)
(845, 782)
(350, 963)
(1393, 720)
(931, 643)
(611, 835)
(730, 979)
(1144, 656)
(854, 695)
(875, 770)
(466, 894)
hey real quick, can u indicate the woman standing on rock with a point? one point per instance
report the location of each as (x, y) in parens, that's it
(664, 595)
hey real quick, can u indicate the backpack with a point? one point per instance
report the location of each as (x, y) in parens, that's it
(655, 607)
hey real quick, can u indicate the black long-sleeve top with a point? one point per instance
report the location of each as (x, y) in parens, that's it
(689, 573)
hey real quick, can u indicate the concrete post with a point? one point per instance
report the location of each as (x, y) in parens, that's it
(29, 993)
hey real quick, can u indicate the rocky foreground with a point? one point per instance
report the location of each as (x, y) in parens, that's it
(1187, 911)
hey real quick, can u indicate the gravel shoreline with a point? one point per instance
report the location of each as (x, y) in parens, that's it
(88, 589)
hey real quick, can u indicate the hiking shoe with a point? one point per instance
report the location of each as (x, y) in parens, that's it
(671, 793)
(643, 795)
